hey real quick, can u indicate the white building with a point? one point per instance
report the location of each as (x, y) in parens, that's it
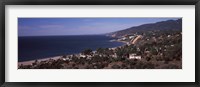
(134, 56)
(130, 37)
(114, 55)
(124, 38)
(82, 55)
(67, 59)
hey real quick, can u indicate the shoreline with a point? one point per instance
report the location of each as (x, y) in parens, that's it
(29, 62)
(122, 41)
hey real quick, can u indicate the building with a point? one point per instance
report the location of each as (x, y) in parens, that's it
(82, 55)
(130, 37)
(134, 56)
(114, 55)
(66, 59)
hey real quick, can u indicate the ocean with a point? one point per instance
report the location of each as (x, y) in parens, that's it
(38, 47)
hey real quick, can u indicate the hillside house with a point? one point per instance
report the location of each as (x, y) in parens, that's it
(134, 56)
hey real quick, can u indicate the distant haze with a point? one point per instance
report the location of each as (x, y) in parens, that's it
(78, 26)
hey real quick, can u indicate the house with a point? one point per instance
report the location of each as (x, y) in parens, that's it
(130, 37)
(64, 59)
(124, 38)
(134, 56)
(82, 55)
(114, 55)
(67, 59)
(89, 56)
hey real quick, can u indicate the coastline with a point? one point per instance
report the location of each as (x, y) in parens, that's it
(29, 62)
(122, 41)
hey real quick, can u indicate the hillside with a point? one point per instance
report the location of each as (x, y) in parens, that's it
(169, 25)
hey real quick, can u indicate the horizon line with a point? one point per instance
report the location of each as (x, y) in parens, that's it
(63, 35)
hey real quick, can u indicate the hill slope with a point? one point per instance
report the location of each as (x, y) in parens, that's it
(175, 25)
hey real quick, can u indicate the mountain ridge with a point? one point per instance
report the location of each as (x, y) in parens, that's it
(162, 25)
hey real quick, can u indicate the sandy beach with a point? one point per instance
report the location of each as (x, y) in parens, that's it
(39, 60)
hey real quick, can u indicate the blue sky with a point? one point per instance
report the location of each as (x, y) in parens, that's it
(78, 26)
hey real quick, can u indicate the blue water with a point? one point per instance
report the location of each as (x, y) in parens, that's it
(37, 47)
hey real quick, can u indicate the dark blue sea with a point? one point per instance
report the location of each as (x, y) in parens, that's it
(38, 47)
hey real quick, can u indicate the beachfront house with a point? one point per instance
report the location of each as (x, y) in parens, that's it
(134, 56)
(124, 38)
